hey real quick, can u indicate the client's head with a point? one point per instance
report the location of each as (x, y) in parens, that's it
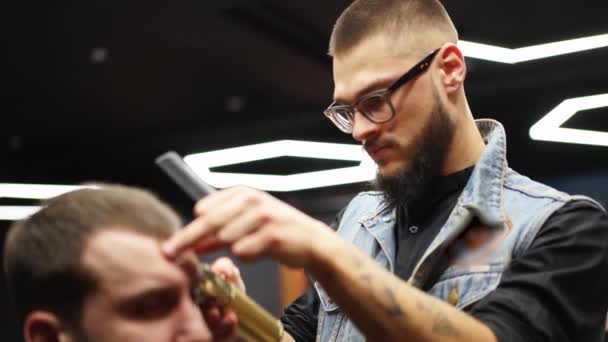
(88, 267)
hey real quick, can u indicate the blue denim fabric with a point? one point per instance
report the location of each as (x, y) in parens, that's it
(495, 219)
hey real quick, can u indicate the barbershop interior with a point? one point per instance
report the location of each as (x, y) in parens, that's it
(95, 92)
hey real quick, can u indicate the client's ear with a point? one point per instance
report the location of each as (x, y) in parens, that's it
(43, 326)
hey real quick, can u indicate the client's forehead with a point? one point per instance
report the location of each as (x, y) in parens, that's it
(129, 260)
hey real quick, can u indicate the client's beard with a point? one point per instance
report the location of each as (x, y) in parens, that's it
(429, 153)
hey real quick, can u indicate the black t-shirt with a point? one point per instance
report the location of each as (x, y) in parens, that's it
(540, 296)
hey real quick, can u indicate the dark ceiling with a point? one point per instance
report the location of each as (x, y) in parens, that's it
(94, 90)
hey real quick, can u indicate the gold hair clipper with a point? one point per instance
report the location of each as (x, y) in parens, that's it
(254, 322)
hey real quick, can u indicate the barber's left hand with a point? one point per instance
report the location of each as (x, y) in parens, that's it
(252, 224)
(222, 321)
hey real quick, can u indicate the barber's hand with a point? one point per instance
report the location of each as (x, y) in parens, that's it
(223, 322)
(252, 224)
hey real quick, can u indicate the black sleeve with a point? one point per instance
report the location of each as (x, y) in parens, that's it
(300, 318)
(556, 290)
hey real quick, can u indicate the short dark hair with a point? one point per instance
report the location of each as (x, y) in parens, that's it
(364, 18)
(43, 252)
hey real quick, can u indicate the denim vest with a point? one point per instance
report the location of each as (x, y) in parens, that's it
(495, 219)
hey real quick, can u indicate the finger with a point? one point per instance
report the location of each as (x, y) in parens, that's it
(227, 327)
(229, 319)
(195, 231)
(249, 221)
(255, 245)
(228, 269)
(226, 206)
(213, 315)
(209, 203)
(223, 265)
(208, 244)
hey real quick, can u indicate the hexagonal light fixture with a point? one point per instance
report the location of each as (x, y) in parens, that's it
(365, 171)
(548, 128)
(36, 191)
(30, 191)
(14, 213)
(529, 53)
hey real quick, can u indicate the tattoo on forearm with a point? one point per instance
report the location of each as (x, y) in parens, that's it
(441, 323)
(388, 303)
(393, 308)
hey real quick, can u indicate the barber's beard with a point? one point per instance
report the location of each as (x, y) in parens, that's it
(428, 156)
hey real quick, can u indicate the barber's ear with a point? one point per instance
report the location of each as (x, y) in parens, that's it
(452, 67)
(43, 326)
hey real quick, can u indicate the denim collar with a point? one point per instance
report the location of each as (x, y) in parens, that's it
(483, 194)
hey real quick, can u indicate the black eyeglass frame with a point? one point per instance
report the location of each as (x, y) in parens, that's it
(332, 111)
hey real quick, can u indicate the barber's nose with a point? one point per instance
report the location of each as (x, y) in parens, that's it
(363, 128)
(192, 324)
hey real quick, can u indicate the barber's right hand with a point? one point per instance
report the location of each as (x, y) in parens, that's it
(254, 224)
(223, 322)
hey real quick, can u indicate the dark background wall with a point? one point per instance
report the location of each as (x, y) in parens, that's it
(8, 328)
(94, 91)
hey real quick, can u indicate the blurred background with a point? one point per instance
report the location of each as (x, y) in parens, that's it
(95, 90)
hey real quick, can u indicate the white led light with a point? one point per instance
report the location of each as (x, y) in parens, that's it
(365, 171)
(275, 149)
(13, 213)
(36, 191)
(487, 52)
(529, 53)
(548, 128)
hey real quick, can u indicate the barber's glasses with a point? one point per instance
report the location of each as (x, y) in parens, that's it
(375, 106)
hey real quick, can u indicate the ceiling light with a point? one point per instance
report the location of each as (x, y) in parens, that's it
(548, 128)
(13, 213)
(365, 171)
(36, 191)
(529, 53)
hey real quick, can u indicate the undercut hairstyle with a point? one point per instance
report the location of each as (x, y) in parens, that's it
(42, 259)
(411, 25)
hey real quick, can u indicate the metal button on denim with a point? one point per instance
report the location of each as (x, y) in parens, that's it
(413, 229)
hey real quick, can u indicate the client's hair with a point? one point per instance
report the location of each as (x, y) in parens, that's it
(42, 254)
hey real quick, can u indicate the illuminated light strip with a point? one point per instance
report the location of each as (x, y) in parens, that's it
(548, 128)
(487, 52)
(36, 191)
(275, 149)
(529, 53)
(13, 213)
(365, 171)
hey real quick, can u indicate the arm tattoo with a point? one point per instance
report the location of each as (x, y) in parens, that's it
(389, 303)
(393, 309)
(441, 323)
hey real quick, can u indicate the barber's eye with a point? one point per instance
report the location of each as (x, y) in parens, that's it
(373, 104)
